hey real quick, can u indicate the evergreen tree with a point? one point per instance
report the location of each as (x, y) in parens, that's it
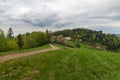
(2, 41)
(20, 41)
(10, 33)
(47, 31)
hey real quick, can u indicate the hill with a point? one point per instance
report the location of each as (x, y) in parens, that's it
(110, 42)
(64, 64)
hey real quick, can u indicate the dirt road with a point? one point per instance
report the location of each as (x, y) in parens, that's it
(17, 55)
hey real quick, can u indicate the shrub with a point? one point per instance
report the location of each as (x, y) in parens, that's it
(77, 45)
(11, 45)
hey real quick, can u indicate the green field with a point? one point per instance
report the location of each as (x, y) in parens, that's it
(64, 64)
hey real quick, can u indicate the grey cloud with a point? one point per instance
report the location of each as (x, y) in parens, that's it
(42, 22)
(61, 13)
(106, 29)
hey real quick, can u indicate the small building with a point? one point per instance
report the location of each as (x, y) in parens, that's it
(80, 40)
(68, 38)
(99, 48)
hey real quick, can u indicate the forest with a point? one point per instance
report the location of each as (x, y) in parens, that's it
(21, 41)
(110, 42)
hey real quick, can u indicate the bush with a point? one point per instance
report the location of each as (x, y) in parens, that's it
(77, 45)
(2, 44)
(11, 45)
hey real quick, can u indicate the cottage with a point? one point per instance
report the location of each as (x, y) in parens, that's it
(99, 48)
(68, 38)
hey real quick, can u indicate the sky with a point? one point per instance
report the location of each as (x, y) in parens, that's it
(38, 15)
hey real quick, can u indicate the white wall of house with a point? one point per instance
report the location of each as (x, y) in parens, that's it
(67, 38)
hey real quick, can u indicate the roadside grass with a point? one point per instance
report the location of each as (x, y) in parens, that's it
(26, 50)
(58, 45)
(70, 43)
(82, 45)
(64, 64)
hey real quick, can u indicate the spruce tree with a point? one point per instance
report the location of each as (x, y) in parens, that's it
(10, 33)
(20, 41)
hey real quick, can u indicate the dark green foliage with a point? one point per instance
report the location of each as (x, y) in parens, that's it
(49, 35)
(20, 41)
(2, 41)
(66, 33)
(77, 45)
(91, 37)
(10, 33)
(47, 32)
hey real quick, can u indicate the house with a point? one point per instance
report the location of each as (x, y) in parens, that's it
(99, 48)
(68, 38)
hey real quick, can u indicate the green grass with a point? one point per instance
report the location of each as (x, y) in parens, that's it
(70, 43)
(64, 64)
(73, 44)
(26, 50)
(59, 45)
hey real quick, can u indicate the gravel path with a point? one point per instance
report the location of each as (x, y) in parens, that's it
(13, 56)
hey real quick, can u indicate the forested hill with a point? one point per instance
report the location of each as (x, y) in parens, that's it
(92, 37)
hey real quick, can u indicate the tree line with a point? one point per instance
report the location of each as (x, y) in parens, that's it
(110, 42)
(22, 41)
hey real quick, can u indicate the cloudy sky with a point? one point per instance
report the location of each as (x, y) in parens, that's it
(39, 15)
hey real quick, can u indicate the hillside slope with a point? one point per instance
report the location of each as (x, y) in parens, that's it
(64, 64)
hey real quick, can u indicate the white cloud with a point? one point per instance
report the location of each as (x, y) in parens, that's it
(29, 15)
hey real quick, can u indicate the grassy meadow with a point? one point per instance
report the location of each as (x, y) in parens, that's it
(64, 64)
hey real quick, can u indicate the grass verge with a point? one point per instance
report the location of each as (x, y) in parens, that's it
(26, 50)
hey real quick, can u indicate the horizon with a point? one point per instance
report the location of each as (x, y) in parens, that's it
(5, 32)
(39, 15)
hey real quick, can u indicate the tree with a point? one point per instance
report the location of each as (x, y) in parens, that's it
(11, 45)
(47, 31)
(2, 41)
(20, 41)
(10, 33)
(49, 35)
(1, 33)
